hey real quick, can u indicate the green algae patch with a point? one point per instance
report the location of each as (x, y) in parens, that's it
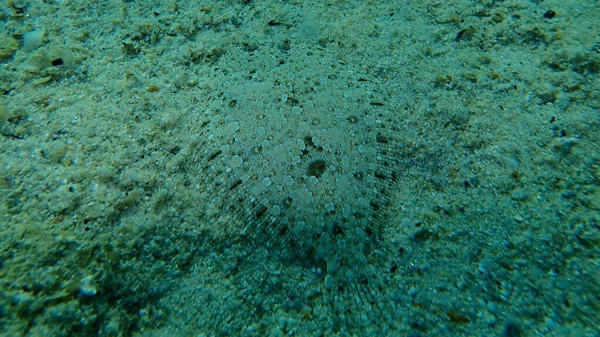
(8, 46)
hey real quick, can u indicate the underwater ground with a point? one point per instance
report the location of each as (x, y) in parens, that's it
(299, 168)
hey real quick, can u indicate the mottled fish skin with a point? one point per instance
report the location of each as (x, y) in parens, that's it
(310, 172)
(306, 168)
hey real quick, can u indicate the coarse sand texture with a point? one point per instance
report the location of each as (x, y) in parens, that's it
(300, 168)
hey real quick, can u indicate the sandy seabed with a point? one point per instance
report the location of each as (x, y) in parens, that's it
(116, 220)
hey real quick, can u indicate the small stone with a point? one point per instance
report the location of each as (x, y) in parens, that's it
(86, 288)
(550, 323)
(565, 145)
(512, 330)
(490, 319)
(549, 14)
(413, 291)
(519, 195)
